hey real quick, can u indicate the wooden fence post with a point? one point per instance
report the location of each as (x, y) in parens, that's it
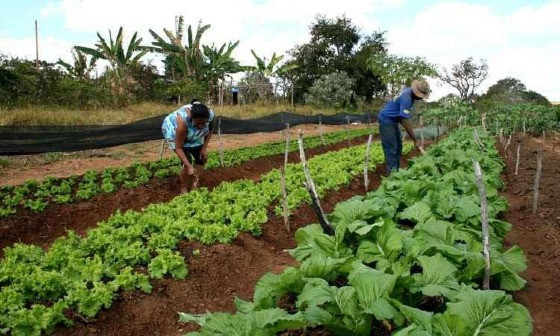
(485, 229)
(310, 186)
(285, 210)
(348, 130)
(321, 131)
(537, 181)
(366, 163)
(287, 145)
(517, 157)
(220, 141)
(161, 148)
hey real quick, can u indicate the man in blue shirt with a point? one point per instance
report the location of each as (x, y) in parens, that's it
(395, 112)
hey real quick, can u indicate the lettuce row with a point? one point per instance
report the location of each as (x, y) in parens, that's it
(84, 274)
(36, 195)
(405, 259)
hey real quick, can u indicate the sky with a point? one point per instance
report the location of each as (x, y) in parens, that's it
(517, 38)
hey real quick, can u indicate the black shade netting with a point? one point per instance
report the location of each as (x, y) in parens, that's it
(23, 140)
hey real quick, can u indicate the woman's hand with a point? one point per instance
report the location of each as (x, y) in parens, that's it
(203, 154)
(190, 169)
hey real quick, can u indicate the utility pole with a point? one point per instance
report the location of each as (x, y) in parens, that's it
(36, 47)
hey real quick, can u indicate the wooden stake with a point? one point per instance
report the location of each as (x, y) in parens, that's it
(285, 210)
(321, 131)
(485, 229)
(537, 181)
(220, 141)
(508, 142)
(161, 148)
(348, 130)
(524, 129)
(477, 139)
(517, 158)
(483, 121)
(366, 163)
(543, 136)
(310, 186)
(287, 145)
(421, 132)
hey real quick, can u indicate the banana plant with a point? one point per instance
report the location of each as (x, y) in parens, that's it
(120, 58)
(80, 68)
(183, 60)
(271, 69)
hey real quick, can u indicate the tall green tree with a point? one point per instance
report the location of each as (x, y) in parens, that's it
(336, 44)
(397, 72)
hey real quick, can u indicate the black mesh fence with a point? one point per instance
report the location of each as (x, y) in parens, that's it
(22, 140)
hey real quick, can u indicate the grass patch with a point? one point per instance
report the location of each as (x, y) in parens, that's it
(56, 115)
(5, 162)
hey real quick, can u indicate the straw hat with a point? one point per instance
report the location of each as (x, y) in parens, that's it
(421, 88)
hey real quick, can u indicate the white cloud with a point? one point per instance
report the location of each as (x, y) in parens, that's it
(519, 44)
(50, 48)
(269, 26)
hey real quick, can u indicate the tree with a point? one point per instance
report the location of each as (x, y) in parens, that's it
(397, 72)
(332, 90)
(186, 60)
(120, 58)
(336, 45)
(511, 90)
(536, 98)
(81, 68)
(267, 70)
(465, 77)
(368, 83)
(508, 90)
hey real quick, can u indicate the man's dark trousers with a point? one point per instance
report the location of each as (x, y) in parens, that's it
(391, 141)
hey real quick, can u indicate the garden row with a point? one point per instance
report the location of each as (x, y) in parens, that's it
(37, 196)
(404, 260)
(504, 118)
(84, 274)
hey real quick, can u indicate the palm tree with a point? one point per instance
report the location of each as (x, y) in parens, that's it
(81, 67)
(120, 58)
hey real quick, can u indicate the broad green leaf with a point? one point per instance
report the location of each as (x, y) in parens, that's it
(419, 212)
(437, 277)
(484, 313)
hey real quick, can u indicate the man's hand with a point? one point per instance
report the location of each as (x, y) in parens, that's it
(417, 145)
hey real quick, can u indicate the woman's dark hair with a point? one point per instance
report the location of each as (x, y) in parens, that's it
(199, 110)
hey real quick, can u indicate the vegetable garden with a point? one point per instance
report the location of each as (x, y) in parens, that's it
(405, 258)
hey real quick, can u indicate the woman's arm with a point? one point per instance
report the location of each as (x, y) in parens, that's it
(180, 136)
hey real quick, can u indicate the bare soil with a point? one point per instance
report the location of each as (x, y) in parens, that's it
(539, 233)
(216, 276)
(17, 169)
(43, 228)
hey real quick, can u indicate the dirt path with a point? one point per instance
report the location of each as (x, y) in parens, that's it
(42, 229)
(17, 169)
(538, 234)
(216, 276)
